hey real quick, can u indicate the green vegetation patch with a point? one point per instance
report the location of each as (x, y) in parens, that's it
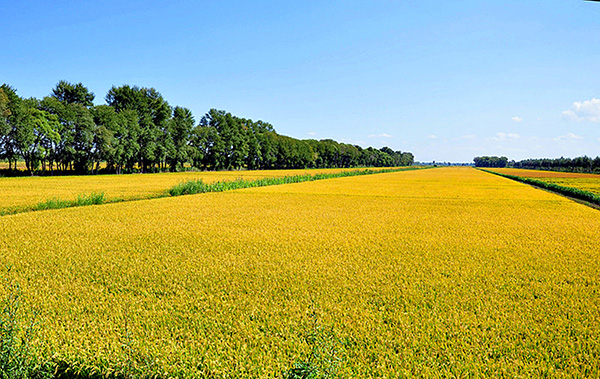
(198, 186)
(82, 200)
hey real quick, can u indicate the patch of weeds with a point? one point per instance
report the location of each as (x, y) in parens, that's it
(82, 200)
(16, 334)
(188, 188)
(91, 199)
(322, 361)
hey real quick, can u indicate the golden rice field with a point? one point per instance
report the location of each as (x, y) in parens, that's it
(582, 181)
(448, 272)
(22, 192)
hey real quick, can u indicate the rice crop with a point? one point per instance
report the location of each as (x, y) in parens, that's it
(198, 186)
(576, 184)
(451, 272)
(24, 193)
(545, 174)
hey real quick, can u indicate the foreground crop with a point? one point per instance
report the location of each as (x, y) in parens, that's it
(446, 272)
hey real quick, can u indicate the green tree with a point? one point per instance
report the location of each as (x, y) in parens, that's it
(68, 93)
(77, 130)
(32, 129)
(153, 113)
(4, 123)
(11, 112)
(179, 132)
(229, 148)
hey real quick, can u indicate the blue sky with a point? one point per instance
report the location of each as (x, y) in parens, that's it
(445, 80)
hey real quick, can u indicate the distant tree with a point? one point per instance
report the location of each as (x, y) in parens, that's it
(153, 113)
(490, 161)
(4, 122)
(596, 165)
(68, 93)
(349, 155)
(11, 113)
(179, 132)
(407, 159)
(138, 129)
(32, 128)
(268, 149)
(107, 144)
(229, 140)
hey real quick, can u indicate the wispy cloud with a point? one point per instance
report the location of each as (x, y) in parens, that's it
(588, 110)
(568, 137)
(311, 133)
(517, 119)
(382, 135)
(505, 136)
(432, 136)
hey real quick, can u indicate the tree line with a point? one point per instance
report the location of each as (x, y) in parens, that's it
(490, 161)
(138, 131)
(578, 164)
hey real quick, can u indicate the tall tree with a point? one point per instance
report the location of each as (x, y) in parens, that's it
(179, 132)
(230, 144)
(12, 111)
(32, 128)
(68, 93)
(153, 113)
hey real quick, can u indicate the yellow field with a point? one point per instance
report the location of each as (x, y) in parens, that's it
(429, 273)
(586, 182)
(28, 191)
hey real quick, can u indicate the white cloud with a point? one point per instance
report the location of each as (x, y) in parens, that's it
(384, 135)
(468, 136)
(505, 136)
(311, 133)
(588, 110)
(568, 137)
(517, 119)
(432, 136)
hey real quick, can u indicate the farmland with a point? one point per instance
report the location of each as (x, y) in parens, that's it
(23, 192)
(441, 272)
(582, 181)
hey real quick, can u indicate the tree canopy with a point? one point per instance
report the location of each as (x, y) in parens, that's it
(137, 130)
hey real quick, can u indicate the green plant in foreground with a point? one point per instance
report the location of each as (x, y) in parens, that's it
(322, 362)
(16, 360)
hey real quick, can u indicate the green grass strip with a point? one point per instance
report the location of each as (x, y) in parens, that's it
(571, 192)
(82, 200)
(197, 186)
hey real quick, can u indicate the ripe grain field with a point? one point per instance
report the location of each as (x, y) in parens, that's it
(582, 181)
(23, 192)
(428, 273)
